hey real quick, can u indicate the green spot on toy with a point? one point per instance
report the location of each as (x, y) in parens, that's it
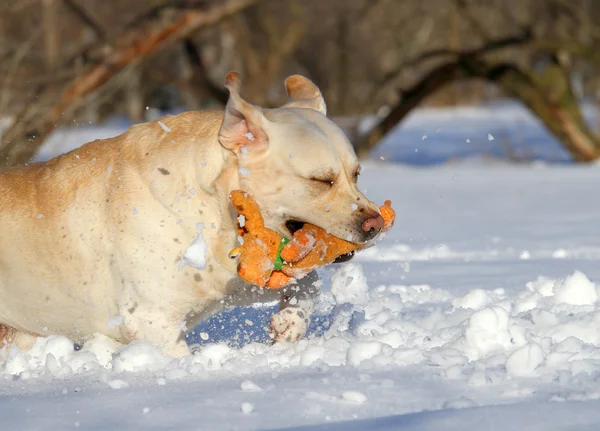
(278, 260)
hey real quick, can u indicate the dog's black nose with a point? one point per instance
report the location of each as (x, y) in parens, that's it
(372, 226)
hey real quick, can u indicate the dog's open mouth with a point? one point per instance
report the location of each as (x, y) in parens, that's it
(344, 257)
(294, 225)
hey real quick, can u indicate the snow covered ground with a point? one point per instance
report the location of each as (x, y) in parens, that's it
(501, 129)
(480, 310)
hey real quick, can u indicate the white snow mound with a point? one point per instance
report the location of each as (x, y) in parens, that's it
(483, 337)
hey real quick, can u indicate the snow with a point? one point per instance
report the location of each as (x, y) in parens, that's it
(114, 321)
(487, 332)
(354, 397)
(164, 126)
(361, 351)
(575, 290)
(475, 299)
(443, 325)
(117, 384)
(497, 130)
(195, 254)
(524, 361)
(247, 408)
(137, 357)
(250, 386)
(349, 285)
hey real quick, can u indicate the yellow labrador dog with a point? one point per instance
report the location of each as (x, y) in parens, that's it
(129, 236)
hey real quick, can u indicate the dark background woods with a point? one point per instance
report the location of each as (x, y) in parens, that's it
(73, 61)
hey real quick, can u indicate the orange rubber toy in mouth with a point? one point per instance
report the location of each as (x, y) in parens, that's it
(266, 259)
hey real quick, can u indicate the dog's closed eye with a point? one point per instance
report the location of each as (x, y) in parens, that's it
(356, 174)
(329, 181)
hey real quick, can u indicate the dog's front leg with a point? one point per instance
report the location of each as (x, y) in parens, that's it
(296, 306)
(149, 324)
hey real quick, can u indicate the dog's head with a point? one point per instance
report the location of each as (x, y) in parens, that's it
(298, 164)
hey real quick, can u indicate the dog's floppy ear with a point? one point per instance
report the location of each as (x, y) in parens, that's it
(304, 94)
(243, 122)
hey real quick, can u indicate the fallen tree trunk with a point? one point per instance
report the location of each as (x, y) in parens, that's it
(548, 96)
(34, 124)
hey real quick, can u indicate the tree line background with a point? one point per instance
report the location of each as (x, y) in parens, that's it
(72, 61)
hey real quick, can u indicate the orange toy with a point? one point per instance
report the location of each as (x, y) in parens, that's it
(268, 259)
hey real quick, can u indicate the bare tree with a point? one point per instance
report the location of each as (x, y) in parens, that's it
(545, 85)
(37, 120)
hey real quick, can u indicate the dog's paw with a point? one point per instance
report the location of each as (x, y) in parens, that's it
(289, 325)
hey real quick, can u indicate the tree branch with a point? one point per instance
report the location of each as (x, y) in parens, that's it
(475, 24)
(86, 18)
(155, 11)
(492, 46)
(21, 141)
(560, 114)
